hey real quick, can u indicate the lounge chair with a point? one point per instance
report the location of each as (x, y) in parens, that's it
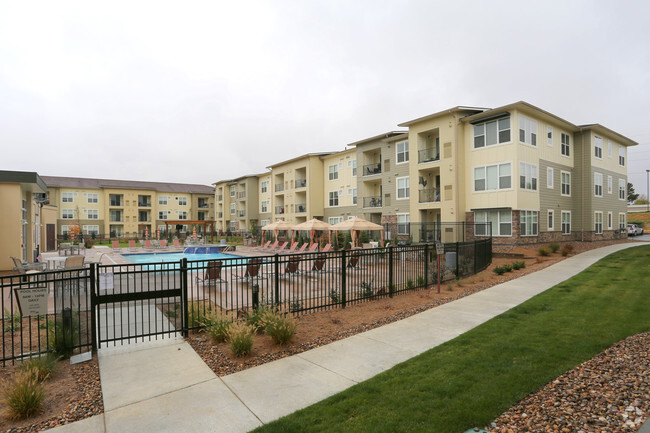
(177, 244)
(353, 261)
(302, 249)
(263, 246)
(293, 267)
(132, 246)
(147, 245)
(327, 248)
(319, 265)
(252, 271)
(163, 244)
(212, 275)
(292, 249)
(74, 262)
(116, 247)
(280, 248)
(313, 248)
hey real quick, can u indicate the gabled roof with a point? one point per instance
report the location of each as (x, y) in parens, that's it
(87, 183)
(306, 155)
(606, 131)
(385, 135)
(457, 109)
(522, 106)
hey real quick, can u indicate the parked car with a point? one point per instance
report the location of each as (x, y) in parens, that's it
(633, 230)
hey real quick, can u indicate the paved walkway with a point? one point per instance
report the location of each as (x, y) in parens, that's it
(165, 386)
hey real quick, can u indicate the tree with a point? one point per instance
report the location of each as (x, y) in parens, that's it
(631, 195)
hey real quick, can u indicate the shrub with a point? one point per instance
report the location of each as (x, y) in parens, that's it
(23, 395)
(410, 284)
(539, 259)
(366, 289)
(64, 335)
(499, 270)
(543, 252)
(507, 267)
(420, 281)
(334, 296)
(554, 247)
(258, 317)
(518, 265)
(196, 313)
(240, 336)
(14, 321)
(217, 326)
(565, 252)
(281, 329)
(40, 368)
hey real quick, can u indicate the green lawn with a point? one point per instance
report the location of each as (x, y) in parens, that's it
(470, 380)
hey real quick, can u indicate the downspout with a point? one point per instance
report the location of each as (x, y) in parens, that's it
(455, 168)
(582, 190)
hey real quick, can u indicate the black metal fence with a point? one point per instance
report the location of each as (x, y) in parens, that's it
(139, 302)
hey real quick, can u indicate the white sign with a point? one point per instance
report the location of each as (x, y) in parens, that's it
(440, 248)
(32, 302)
(106, 281)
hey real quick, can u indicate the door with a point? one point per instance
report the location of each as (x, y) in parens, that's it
(50, 237)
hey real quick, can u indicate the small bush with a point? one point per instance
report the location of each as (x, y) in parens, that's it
(281, 329)
(14, 321)
(459, 282)
(565, 252)
(553, 247)
(507, 267)
(420, 281)
(409, 284)
(499, 270)
(543, 252)
(40, 368)
(569, 248)
(217, 326)
(539, 259)
(366, 289)
(23, 395)
(63, 336)
(450, 287)
(334, 296)
(518, 265)
(197, 312)
(240, 336)
(257, 318)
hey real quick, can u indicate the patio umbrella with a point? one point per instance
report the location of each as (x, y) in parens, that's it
(276, 227)
(146, 232)
(158, 233)
(194, 232)
(355, 225)
(312, 226)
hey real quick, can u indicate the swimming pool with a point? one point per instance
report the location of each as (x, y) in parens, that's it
(176, 257)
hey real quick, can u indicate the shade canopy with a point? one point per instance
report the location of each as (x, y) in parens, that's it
(278, 225)
(355, 225)
(313, 224)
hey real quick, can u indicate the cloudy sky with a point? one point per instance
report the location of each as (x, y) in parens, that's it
(199, 91)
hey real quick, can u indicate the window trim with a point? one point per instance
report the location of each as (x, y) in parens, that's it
(95, 213)
(562, 183)
(549, 140)
(622, 189)
(524, 119)
(407, 223)
(534, 224)
(596, 147)
(621, 149)
(536, 177)
(498, 165)
(565, 212)
(596, 185)
(484, 134)
(330, 198)
(498, 222)
(550, 216)
(334, 174)
(95, 196)
(551, 172)
(596, 213)
(610, 220)
(67, 195)
(566, 145)
(397, 152)
(65, 211)
(408, 188)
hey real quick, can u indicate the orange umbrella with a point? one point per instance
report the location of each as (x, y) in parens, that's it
(158, 233)
(194, 232)
(146, 232)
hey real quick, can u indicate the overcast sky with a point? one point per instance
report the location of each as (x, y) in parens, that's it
(199, 91)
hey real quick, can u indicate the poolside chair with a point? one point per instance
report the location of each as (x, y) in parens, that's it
(163, 244)
(22, 268)
(262, 247)
(292, 249)
(73, 262)
(116, 247)
(97, 259)
(293, 267)
(212, 275)
(147, 245)
(177, 244)
(302, 249)
(252, 271)
(313, 248)
(353, 261)
(132, 246)
(280, 248)
(326, 248)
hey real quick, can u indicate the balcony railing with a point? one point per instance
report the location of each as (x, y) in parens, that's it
(241, 194)
(116, 219)
(220, 197)
(428, 155)
(242, 213)
(116, 203)
(279, 187)
(220, 215)
(279, 210)
(144, 203)
(301, 183)
(429, 195)
(371, 169)
(203, 205)
(145, 220)
(301, 208)
(372, 202)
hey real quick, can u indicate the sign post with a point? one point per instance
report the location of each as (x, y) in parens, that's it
(32, 301)
(440, 250)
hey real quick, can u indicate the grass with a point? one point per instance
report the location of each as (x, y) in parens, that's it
(23, 395)
(470, 380)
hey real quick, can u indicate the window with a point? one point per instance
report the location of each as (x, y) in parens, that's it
(162, 200)
(621, 156)
(265, 206)
(492, 177)
(67, 197)
(609, 184)
(549, 177)
(93, 214)
(598, 147)
(353, 193)
(265, 186)
(565, 177)
(93, 197)
(335, 220)
(551, 220)
(609, 148)
(64, 230)
(549, 135)
(527, 131)
(182, 201)
(265, 222)
(527, 176)
(501, 222)
(566, 145)
(162, 215)
(566, 222)
(67, 214)
(91, 230)
(354, 167)
(334, 198)
(528, 220)
(403, 187)
(232, 190)
(232, 208)
(403, 221)
(598, 184)
(610, 220)
(182, 214)
(490, 133)
(598, 223)
(402, 151)
(621, 221)
(621, 189)
(333, 172)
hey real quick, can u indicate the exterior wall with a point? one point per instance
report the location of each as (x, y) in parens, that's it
(11, 228)
(552, 198)
(345, 184)
(222, 206)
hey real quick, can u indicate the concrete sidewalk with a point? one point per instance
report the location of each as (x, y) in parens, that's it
(166, 387)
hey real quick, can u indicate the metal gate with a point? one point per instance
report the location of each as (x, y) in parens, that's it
(136, 303)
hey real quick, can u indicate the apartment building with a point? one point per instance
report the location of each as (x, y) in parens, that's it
(122, 208)
(237, 203)
(340, 185)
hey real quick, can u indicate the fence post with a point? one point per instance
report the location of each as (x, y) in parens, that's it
(457, 259)
(344, 295)
(475, 255)
(184, 302)
(391, 285)
(276, 278)
(94, 277)
(426, 265)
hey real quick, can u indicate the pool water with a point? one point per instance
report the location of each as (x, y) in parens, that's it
(176, 257)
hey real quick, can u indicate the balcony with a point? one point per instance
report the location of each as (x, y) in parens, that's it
(203, 204)
(429, 195)
(220, 197)
(242, 214)
(144, 203)
(301, 183)
(371, 202)
(146, 220)
(279, 187)
(428, 155)
(116, 202)
(116, 219)
(279, 210)
(372, 169)
(220, 215)
(241, 195)
(301, 208)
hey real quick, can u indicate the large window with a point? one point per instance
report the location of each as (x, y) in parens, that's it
(403, 187)
(233, 190)
(333, 172)
(335, 220)
(233, 208)
(528, 176)
(598, 147)
(93, 198)
(598, 184)
(549, 177)
(265, 186)
(621, 221)
(333, 198)
(598, 223)
(91, 229)
(610, 183)
(402, 151)
(566, 183)
(162, 200)
(93, 214)
(67, 197)
(621, 156)
(500, 220)
(265, 206)
(551, 220)
(490, 133)
(566, 222)
(403, 221)
(621, 189)
(528, 220)
(162, 215)
(527, 131)
(182, 214)
(566, 145)
(492, 177)
(67, 214)
(182, 201)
